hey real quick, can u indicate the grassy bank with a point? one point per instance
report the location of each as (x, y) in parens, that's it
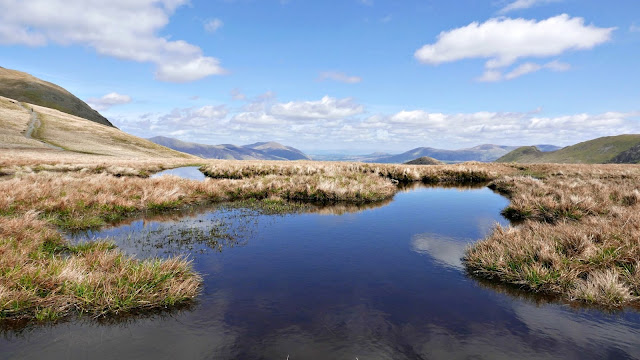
(579, 239)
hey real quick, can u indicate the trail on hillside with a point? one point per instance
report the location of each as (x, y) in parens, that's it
(34, 123)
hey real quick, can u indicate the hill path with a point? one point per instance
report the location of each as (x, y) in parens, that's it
(35, 123)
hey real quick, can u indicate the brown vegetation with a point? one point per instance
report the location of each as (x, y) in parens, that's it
(580, 236)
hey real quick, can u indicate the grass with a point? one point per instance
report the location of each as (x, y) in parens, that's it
(45, 278)
(579, 238)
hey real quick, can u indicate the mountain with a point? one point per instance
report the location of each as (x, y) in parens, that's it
(425, 160)
(23, 87)
(278, 150)
(257, 151)
(609, 149)
(486, 152)
(50, 130)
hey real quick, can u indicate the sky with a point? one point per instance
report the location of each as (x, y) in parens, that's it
(348, 76)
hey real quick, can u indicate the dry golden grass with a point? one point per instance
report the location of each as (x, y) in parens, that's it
(580, 238)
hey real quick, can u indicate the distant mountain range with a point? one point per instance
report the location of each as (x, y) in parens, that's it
(621, 149)
(485, 153)
(23, 87)
(257, 151)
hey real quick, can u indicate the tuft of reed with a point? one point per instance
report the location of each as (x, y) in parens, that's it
(579, 239)
(45, 278)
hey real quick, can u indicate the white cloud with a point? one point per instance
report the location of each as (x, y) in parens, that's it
(503, 41)
(333, 123)
(339, 76)
(122, 29)
(524, 4)
(198, 118)
(325, 108)
(491, 75)
(634, 28)
(108, 100)
(213, 25)
(523, 69)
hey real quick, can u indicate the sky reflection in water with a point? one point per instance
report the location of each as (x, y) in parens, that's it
(381, 283)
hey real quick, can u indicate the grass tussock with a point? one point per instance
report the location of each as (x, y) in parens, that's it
(45, 278)
(579, 239)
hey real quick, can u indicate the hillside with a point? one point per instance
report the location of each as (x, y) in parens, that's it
(27, 88)
(51, 130)
(610, 149)
(257, 151)
(425, 160)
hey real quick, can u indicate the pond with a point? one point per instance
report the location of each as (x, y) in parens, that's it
(383, 282)
(187, 172)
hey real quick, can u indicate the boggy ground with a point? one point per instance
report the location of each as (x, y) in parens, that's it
(579, 238)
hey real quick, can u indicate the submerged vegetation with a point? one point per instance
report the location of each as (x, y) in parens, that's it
(578, 238)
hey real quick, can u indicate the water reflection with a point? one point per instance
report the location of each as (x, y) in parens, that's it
(187, 172)
(446, 250)
(371, 283)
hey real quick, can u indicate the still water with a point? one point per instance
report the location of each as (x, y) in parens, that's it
(187, 172)
(382, 282)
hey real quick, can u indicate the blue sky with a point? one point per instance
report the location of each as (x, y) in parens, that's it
(350, 75)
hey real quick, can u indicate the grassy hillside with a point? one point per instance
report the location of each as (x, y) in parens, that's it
(26, 88)
(598, 151)
(58, 131)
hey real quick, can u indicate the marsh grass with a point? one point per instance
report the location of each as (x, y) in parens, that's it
(579, 238)
(46, 278)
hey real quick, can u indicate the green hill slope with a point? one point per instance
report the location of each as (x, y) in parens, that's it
(609, 149)
(27, 88)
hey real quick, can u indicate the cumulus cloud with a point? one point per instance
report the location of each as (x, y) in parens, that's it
(325, 108)
(336, 123)
(523, 4)
(122, 29)
(213, 25)
(339, 77)
(504, 41)
(108, 100)
(198, 118)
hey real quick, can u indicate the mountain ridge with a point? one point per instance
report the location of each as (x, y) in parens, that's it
(270, 150)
